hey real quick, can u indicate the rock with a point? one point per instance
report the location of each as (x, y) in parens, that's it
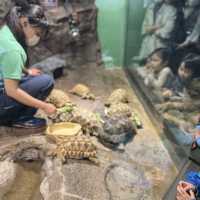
(38, 53)
(51, 64)
(53, 182)
(7, 176)
(55, 195)
(85, 180)
(18, 148)
(127, 182)
(56, 15)
(31, 154)
(60, 40)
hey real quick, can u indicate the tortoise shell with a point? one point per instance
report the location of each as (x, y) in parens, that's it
(117, 96)
(58, 98)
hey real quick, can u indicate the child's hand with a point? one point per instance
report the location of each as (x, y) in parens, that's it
(197, 133)
(185, 195)
(152, 29)
(167, 93)
(185, 191)
(148, 65)
(196, 119)
(185, 185)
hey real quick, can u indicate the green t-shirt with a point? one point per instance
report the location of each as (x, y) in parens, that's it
(12, 56)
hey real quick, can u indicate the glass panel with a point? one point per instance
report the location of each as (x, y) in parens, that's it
(164, 70)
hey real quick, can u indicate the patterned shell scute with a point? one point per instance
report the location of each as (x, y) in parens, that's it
(117, 129)
(80, 90)
(117, 96)
(78, 147)
(118, 109)
(63, 114)
(91, 122)
(58, 98)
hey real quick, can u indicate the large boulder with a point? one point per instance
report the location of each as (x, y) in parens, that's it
(7, 176)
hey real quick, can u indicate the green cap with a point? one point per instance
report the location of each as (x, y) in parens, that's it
(5, 6)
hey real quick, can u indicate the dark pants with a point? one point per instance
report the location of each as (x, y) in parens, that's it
(37, 86)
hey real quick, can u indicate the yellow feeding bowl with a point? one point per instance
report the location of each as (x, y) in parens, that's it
(65, 129)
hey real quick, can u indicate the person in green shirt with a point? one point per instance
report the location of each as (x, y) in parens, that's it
(21, 95)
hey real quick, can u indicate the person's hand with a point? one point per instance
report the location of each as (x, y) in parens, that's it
(185, 185)
(152, 29)
(197, 134)
(196, 119)
(185, 195)
(49, 109)
(148, 66)
(34, 72)
(167, 93)
(182, 45)
(185, 191)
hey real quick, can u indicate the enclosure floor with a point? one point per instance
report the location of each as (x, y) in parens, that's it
(147, 149)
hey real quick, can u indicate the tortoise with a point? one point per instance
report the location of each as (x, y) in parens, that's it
(82, 91)
(118, 109)
(63, 114)
(117, 130)
(122, 109)
(58, 98)
(91, 122)
(117, 96)
(76, 147)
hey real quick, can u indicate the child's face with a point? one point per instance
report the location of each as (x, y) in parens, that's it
(183, 72)
(155, 63)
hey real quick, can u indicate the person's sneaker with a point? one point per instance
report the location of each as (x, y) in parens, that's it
(29, 123)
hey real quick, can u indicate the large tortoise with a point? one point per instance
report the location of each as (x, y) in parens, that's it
(76, 147)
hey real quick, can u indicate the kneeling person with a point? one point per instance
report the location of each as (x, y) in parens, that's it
(20, 96)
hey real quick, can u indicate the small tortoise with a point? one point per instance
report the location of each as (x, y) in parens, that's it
(118, 109)
(58, 98)
(91, 122)
(117, 96)
(78, 147)
(63, 114)
(82, 91)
